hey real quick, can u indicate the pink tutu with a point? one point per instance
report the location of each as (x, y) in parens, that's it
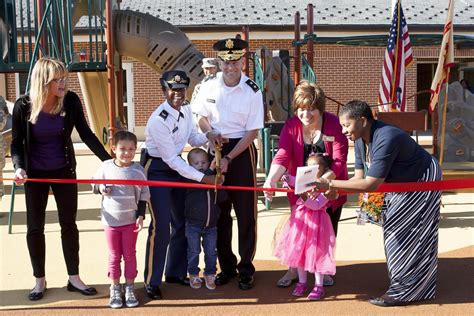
(307, 240)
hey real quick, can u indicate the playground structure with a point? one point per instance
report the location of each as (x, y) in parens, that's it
(459, 135)
(47, 28)
(140, 36)
(31, 29)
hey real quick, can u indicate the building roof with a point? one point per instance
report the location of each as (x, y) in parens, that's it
(280, 14)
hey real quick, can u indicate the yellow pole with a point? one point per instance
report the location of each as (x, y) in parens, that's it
(443, 121)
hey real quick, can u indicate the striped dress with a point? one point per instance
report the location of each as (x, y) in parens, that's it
(410, 219)
(410, 229)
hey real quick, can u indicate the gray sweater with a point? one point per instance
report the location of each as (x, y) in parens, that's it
(120, 206)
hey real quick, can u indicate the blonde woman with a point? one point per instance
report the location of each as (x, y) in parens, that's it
(42, 148)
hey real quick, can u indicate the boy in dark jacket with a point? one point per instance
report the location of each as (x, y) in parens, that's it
(201, 222)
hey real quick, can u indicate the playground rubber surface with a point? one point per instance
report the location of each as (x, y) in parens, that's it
(355, 282)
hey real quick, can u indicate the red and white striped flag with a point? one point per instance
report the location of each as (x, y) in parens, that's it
(445, 60)
(398, 56)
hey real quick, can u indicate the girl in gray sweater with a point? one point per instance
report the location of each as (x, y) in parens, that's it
(123, 210)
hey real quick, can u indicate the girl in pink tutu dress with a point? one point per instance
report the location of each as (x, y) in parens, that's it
(307, 242)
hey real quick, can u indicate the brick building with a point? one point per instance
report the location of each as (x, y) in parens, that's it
(345, 72)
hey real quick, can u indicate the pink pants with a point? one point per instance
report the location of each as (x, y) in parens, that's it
(121, 241)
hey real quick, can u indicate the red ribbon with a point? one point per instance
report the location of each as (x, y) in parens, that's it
(385, 187)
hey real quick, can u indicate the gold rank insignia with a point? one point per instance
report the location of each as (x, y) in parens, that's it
(177, 79)
(230, 48)
(229, 43)
(174, 79)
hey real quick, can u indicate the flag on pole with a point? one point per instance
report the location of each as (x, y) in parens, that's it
(445, 60)
(398, 57)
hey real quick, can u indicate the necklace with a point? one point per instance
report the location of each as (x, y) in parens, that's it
(313, 135)
(315, 130)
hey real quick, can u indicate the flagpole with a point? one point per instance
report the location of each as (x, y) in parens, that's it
(434, 131)
(445, 61)
(443, 121)
(397, 42)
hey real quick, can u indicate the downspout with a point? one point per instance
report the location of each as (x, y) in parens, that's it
(297, 51)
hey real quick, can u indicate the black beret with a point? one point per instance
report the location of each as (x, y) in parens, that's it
(230, 48)
(174, 79)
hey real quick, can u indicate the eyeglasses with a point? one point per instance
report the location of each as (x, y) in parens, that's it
(60, 80)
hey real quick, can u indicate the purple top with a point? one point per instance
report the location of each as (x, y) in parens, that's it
(48, 142)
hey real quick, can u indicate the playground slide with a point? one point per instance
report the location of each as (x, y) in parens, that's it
(157, 44)
(94, 91)
(150, 40)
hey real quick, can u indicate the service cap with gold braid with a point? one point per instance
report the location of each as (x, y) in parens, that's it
(174, 79)
(230, 48)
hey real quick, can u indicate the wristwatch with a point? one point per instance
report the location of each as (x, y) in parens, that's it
(229, 160)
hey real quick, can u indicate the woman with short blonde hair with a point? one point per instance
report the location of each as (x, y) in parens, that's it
(309, 96)
(42, 148)
(312, 130)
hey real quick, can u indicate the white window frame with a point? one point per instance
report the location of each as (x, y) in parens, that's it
(130, 104)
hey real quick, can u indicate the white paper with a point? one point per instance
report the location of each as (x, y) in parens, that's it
(304, 176)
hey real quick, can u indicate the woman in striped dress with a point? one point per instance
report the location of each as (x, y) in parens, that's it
(410, 219)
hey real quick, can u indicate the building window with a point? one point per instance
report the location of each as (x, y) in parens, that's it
(20, 79)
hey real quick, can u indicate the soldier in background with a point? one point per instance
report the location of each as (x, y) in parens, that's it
(210, 67)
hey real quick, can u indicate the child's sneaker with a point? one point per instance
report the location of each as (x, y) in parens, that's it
(210, 281)
(115, 296)
(299, 290)
(195, 281)
(316, 294)
(130, 298)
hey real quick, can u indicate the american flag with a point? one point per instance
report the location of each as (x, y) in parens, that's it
(398, 56)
